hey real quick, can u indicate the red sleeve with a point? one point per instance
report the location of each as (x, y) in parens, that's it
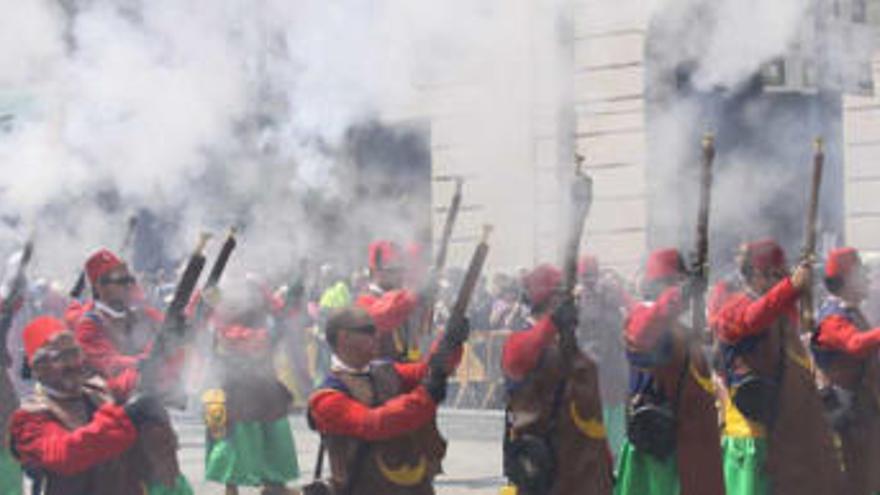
(743, 317)
(41, 442)
(336, 413)
(411, 374)
(391, 310)
(838, 333)
(522, 350)
(100, 352)
(647, 322)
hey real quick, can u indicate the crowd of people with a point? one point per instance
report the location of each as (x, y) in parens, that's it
(606, 389)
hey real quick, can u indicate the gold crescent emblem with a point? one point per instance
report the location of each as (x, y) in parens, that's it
(802, 361)
(591, 428)
(705, 382)
(405, 475)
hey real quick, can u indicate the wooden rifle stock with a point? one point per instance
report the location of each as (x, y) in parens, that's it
(7, 314)
(808, 319)
(463, 299)
(173, 326)
(700, 271)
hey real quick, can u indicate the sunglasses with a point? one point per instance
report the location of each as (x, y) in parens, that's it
(124, 280)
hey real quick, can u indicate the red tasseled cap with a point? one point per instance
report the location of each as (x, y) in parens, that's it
(542, 282)
(765, 254)
(39, 332)
(101, 262)
(588, 265)
(663, 263)
(841, 261)
(384, 254)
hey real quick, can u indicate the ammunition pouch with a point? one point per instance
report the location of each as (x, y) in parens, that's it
(651, 425)
(215, 413)
(318, 487)
(754, 397)
(529, 464)
(839, 406)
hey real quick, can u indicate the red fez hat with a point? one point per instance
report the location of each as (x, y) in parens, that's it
(101, 262)
(384, 254)
(841, 261)
(542, 282)
(39, 332)
(663, 263)
(588, 265)
(765, 254)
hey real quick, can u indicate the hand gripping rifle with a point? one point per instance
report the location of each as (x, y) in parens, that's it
(581, 201)
(808, 318)
(426, 322)
(456, 332)
(80, 283)
(173, 330)
(7, 311)
(700, 270)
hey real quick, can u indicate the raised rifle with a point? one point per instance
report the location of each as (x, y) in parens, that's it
(426, 321)
(581, 200)
(808, 318)
(453, 338)
(7, 312)
(80, 284)
(173, 330)
(700, 270)
(216, 273)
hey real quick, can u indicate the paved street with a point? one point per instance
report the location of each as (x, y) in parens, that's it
(473, 462)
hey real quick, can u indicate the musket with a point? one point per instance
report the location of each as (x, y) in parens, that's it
(426, 321)
(463, 299)
(7, 312)
(173, 329)
(581, 201)
(217, 270)
(700, 270)
(80, 283)
(808, 319)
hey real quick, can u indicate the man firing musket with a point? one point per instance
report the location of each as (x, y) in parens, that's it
(377, 418)
(555, 439)
(673, 441)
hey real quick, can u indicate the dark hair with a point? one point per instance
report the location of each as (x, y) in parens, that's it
(835, 284)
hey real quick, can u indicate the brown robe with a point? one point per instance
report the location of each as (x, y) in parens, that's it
(860, 441)
(801, 456)
(404, 465)
(583, 460)
(698, 436)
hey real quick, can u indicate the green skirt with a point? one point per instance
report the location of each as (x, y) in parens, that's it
(639, 473)
(253, 454)
(182, 487)
(744, 459)
(615, 426)
(10, 474)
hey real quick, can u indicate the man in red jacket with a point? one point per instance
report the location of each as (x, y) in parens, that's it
(80, 436)
(845, 348)
(377, 417)
(556, 441)
(388, 303)
(775, 433)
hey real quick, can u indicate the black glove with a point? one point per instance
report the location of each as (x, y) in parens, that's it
(145, 408)
(565, 316)
(457, 332)
(435, 384)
